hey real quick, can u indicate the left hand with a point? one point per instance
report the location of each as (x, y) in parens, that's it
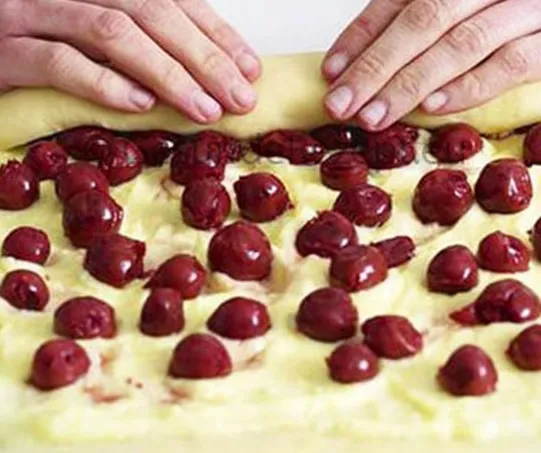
(443, 54)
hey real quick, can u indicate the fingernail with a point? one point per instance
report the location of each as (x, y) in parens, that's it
(435, 101)
(339, 100)
(142, 99)
(335, 65)
(247, 63)
(373, 113)
(207, 106)
(244, 95)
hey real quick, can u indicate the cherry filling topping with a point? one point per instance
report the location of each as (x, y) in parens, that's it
(325, 235)
(344, 170)
(89, 216)
(532, 146)
(205, 204)
(261, 197)
(240, 319)
(536, 239)
(297, 147)
(85, 318)
(396, 251)
(46, 159)
(183, 273)
(365, 205)
(86, 142)
(525, 349)
(442, 197)
(339, 136)
(163, 313)
(79, 177)
(232, 148)
(455, 143)
(115, 260)
(242, 251)
(25, 290)
(156, 146)
(351, 362)
(504, 187)
(122, 163)
(200, 356)
(358, 267)
(468, 372)
(499, 252)
(58, 363)
(19, 186)
(453, 270)
(27, 244)
(328, 315)
(392, 148)
(392, 337)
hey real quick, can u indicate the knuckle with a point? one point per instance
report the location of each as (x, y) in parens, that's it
(103, 84)
(372, 64)
(213, 63)
(57, 59)
(474, 87)
(112, 25)
(222, 32)
(11, 12)
(469, 37)
(171, 77)
(515, 61)
(425, 14)
(409, 84)
(148, 9)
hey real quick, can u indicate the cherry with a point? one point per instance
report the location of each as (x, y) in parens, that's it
(156, 146)
(504, 187)
(532, 146)
(58, 363)
(163, 313)
(499, 252)
(85, 318)
(468, 372)
(200, 356)
(27, 244)
(261, 197)
(396, 251)
(525, 349)
(392, 148)
(328, 315)
(325, 235)
(89, 216)
(466, 316)
(297, 147)
(205, 204)
(365, 205)
(339, 136)
(79, 177)
(122, 163)
(240, 319)
(358, 267)
(25, 290)
(443, 197)
(453, 270)
(86, 142)
(536, 239)
(392, 337)
(19, 186)
(344, 170)
(46, 159)
(455, 143)
(242, 251)
(115, 260)
(183, 273)
(232, 148)
(352, 361)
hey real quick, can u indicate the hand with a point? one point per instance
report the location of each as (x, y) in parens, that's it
(444, 54)
(126, 53)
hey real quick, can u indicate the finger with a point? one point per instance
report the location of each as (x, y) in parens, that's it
(457, 52)
(417, 28)
(223, 35)
(356, 38)
(33, 62)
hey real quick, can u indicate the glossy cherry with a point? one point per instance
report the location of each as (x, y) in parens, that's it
(365, 205)
(396, 251)
(19, 186)
(163, 313)
(122, 163)
(205, 204)
(79, 177)
(27, 244)
(339, 136)
(453, 270)
(525, 349)
(156, 146)
(25, 290)
(351, 362)
(46, 159)
(532, 146)
(455, 143)
(344, 170)
(393, 147)
(297, 147)
(465, 316)
(86, 142)
(499, 252)
(232, 147)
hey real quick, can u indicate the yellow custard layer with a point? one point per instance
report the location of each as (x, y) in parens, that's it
(281, 381)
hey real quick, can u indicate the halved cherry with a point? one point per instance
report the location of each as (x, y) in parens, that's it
(532, 146)
(396, 251)
(499, 252)
(297, 147)
(122, 163)
(351, 362)
(222, 143)
(525, 349)
(85, 318)
(392, 148)
(344, 170)
(19, 186)
(163, 313)
(339, 136)
(453, 270)
(535, 235)
(27, 244)
(156, 146)
(46, 159)
(365, 205)
(455, 143)
(79, 177)
(86, 142)
(25, 290)
(205, 204)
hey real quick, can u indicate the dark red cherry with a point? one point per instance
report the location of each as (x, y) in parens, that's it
(183, 273)
(344, 170)
(455, 143)
(536, 239)
(86, 142)
(443, 197)
(27, 244)
(504, 187)
(525, 349)
(200, 356)
(325, 235)
(156, 146)
(328, 315)
(392, 337)
(89, 216)
(85, 318)
(163, 313)
(339, 136)
(468, 372)
(365, 205)
(242, 251)
(240, 319)
(532, 146)
(396, 251)
(297, 147)
(46, 159)
(261, 197)
(453, 270)
(499, 252)
(122, 163)
(233, 148)
(392, 148)
(25, 290)
(205, 204)
(358, 267)
(19, 186)
(58, 363)
(465, 316)
(80, 177)
(351, 362)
